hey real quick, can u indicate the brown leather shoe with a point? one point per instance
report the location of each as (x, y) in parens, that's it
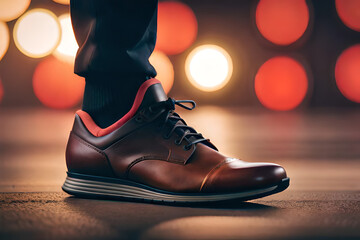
(151, 154)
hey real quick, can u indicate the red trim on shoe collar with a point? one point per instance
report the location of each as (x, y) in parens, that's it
(98, 131)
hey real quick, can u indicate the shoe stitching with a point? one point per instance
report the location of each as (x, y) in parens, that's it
(78, 138)
(116, 145)
(127, 171)
(212, 171)
(168, 158)
(152, 157)
(86, 143)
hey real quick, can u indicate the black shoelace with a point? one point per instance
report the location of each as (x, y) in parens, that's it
(187, 133)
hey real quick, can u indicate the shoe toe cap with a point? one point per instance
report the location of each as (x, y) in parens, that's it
(235, 175)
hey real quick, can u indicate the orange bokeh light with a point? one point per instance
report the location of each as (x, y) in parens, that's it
(5, 39)
(164, 69)
(282, 21)
(65, 2)
(349, 13)
(177, 27)
(347, 73)
(281, 83)
(12, 9)
(56, 85)
(1, 91)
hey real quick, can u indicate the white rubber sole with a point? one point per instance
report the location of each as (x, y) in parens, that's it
(81, 185)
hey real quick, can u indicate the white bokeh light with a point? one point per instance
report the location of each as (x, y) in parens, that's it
(68, 46)
(37, 33)
(209, 67)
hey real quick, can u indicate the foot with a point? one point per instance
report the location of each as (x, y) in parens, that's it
(151, 154)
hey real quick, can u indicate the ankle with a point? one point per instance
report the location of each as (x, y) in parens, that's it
(107, 100)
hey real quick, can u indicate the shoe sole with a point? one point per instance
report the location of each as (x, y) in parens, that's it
(102, 187)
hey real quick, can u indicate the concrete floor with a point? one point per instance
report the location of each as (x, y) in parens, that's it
(320, 150)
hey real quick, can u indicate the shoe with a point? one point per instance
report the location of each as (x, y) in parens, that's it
(152, 154)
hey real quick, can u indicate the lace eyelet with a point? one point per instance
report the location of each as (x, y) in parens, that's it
(186, 147)
(165, 136)
(139, 119)
(177, 142)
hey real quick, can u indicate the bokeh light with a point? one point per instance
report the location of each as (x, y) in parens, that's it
(1, 91)
(37, 33)
(12, 9)
(65, 2)
(349, 13)
(56, 85)
(209, 67)
(347, 73)
(68, 46)
(177, 27)
(282, 21)
(164, 69)
(281, 83)
(5, 39)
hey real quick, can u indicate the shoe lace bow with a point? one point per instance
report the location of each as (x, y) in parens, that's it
(178, 124)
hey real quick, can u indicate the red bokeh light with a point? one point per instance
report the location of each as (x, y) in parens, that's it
(56, 85)
(349, 13)
(282, 21)
(281, 83)
(177, 27)
(347, 73)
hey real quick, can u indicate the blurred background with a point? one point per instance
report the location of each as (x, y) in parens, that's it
(275, 81)
(277, 55)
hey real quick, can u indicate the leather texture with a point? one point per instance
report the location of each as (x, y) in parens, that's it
(141, 151)
(82, 157)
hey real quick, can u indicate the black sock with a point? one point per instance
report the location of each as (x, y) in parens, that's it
(108, 98)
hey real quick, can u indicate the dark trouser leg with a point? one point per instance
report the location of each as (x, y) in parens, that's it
(116, 38)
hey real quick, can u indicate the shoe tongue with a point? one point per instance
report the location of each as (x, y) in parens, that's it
(154, 94)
